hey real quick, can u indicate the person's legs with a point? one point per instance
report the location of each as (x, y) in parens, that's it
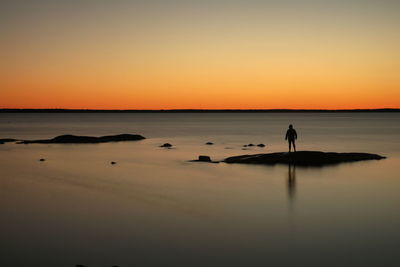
(294, 145)
(290, 145)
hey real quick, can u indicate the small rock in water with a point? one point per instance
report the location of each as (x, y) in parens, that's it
(113, 162)
(209, 143)
(204, 158)
(166, 145)
(250, 145)
(244, 145)
(261, 145)
(41, 159)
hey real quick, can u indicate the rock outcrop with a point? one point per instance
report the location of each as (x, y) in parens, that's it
(7, 140)
(74, 139)
(302, 158)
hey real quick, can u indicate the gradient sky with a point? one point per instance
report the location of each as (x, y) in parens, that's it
(200, 54)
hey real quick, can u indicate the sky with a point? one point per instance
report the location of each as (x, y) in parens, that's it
(165, 54)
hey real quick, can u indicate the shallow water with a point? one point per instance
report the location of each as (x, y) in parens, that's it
(155, 208)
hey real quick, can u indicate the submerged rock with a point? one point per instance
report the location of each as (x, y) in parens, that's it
(209, 143)
(74, 139)
(42, 159)
(261, 145)
(305, 158)
(167, 145)
(113, 162)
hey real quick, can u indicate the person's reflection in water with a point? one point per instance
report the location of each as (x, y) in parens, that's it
(291, 183)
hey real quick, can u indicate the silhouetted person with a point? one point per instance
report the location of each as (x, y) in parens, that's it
(291, 136)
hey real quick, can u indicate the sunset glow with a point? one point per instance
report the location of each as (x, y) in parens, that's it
(200, 54)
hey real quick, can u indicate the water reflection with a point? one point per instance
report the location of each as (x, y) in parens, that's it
(291, 183)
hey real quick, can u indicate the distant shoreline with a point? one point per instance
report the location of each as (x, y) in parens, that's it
(194, 110)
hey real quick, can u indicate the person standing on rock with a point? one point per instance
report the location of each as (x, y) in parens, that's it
(291, 136)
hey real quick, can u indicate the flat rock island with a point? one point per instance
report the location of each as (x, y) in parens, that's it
(302, 158)
(75, 139)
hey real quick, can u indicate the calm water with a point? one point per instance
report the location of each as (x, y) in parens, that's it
(155, 208)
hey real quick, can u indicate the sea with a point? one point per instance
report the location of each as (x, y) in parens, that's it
(155, 207)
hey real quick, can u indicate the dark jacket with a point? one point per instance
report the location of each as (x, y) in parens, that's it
(291, 134)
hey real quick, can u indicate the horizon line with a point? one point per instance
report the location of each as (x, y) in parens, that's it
(66, 110)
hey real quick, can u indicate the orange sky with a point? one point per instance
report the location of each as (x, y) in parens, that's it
(191, 55)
